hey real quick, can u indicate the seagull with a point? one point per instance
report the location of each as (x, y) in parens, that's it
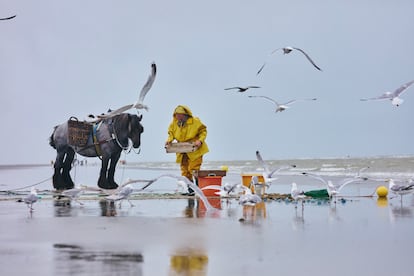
(122, 194)
(334, 189)
(74, 193)
(268, 175)
(190, 184)
(225, 190)
(399, 189)
(287, 50)
(281, 107)
(139, 104)
(241, 89)
(393, 96)
(31, 198)
(249, 199)
(296, 194)
(8, 18)
(181, 186)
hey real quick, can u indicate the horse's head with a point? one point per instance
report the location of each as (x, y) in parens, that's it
(135, 129)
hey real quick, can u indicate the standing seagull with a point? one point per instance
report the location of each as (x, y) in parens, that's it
(287, 50)
(242, 89)
(393, 96)
(31, 198)
(296, 194)
(139, 104)
(281, 107)
(123, 193)
(74, 193)
(249, 199)
(400, 189)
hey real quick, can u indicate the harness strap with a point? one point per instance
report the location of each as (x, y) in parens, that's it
(95, 139)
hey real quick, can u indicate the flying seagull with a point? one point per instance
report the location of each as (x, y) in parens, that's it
(191, 185)
(139, 104)
(269, 175)
(241, 89)
(287, 50)
(224, 190)
(7, 18)
(281, 107)
(393, 96)
(334, 188)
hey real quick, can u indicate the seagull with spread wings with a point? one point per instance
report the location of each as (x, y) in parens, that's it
(393, 96)
(287, 50)
(242, 89)
(139, 104)
(281, 107)
(269, 175)
(335, 188)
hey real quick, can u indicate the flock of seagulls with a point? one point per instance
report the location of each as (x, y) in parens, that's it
(392, 96)
(279, 107)
(244, 193)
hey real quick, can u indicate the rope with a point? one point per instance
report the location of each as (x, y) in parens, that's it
(29, 186)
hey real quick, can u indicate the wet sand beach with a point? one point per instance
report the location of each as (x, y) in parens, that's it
(167, 234)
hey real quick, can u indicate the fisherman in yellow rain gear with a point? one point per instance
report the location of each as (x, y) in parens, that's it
(187, 128)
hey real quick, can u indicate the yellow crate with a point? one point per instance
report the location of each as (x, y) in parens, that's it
(247, 177)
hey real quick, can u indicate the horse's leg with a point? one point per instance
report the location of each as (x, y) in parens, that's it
(58, 182)
(67, 166)
(102, 181)
(111, 172)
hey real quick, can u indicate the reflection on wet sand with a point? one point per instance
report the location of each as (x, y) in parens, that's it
(254, 214)
(196, 208)
(63, 208)
(298, 221)
(108, 208)
(188, 262)
(401, 212)
(76, 260)
(202, 210)
(189, 209)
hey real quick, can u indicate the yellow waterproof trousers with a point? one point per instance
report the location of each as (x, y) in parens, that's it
(188, 166)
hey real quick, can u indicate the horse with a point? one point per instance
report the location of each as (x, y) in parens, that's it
(107, 139)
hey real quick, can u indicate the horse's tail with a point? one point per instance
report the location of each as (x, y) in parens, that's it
(51, 140)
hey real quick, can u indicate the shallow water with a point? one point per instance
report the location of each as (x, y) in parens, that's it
(360, 234)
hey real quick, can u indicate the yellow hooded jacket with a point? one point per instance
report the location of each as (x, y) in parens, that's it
(191, 131)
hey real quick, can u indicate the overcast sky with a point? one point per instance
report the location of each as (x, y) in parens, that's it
(72, 58)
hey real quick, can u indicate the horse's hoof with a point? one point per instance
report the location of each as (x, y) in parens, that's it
(107, 186)
(113, 186)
